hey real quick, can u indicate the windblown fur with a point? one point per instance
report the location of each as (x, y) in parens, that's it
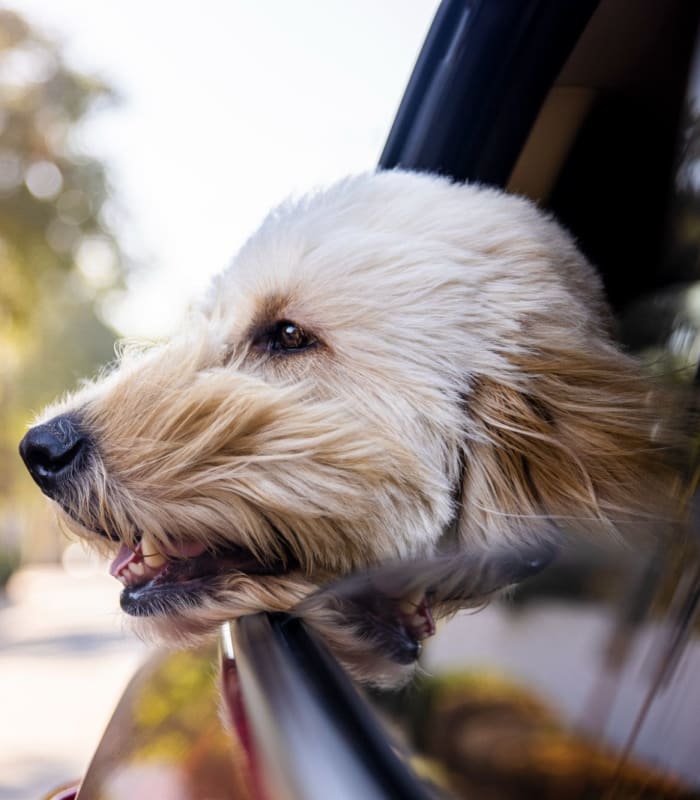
(462, 390)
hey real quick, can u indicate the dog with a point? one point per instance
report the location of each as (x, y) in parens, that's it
(396, 369)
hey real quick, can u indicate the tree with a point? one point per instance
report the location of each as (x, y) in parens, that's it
(58, 256)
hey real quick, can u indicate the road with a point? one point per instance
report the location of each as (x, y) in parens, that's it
(65, 657)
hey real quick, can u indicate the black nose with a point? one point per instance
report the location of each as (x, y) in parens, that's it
(54, 451)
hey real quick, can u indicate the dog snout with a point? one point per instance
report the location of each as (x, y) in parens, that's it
(53, 452)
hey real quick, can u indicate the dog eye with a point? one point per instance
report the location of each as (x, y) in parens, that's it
(287, 336)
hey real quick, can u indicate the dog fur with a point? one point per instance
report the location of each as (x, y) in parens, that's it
(463, 389)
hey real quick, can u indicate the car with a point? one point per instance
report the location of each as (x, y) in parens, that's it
(592, 110)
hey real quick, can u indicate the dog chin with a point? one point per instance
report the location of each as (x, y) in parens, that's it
(188, 612)
(172, 607)
(166, 595)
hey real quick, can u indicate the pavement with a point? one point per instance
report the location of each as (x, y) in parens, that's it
(65, 658)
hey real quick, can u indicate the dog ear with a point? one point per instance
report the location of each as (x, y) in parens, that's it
(577, 437)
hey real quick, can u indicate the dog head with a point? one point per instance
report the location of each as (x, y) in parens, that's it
(390, 366)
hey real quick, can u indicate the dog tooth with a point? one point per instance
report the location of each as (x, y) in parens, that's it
(409, 603)
(136, 568)
(151, 554)
(407, 607)
(154, 559)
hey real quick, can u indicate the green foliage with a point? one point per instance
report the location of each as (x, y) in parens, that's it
(51, 194)
(9, 561)
(169, 724)
(58, 257)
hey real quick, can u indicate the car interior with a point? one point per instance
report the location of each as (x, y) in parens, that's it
(605, 148)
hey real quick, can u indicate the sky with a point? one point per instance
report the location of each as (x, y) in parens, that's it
(229, 106)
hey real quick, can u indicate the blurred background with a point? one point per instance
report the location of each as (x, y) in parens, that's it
(140, 143)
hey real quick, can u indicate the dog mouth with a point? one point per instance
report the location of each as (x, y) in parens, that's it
(158, 583)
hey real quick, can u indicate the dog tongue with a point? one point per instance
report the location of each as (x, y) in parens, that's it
(125, 556)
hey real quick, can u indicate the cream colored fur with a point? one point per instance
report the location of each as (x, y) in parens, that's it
(464, 357)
